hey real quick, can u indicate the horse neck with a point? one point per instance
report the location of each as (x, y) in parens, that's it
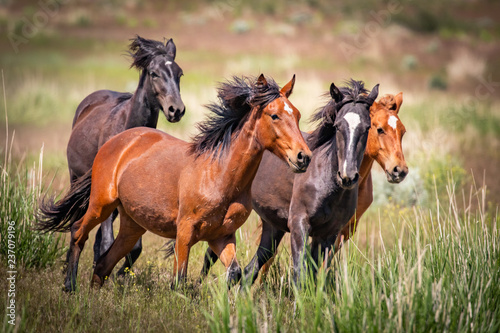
(144, 109)
(239, 167)
(366, 166)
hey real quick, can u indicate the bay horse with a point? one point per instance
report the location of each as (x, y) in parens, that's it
(188, 191)
(320, 202)
(105, 113)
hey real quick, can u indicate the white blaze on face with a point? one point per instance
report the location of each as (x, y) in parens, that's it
(168, 63)
(288, 108)
(393, 121)
(353, 121)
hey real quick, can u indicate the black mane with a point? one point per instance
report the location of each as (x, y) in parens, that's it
(144, 50)
(235, 100)
(353, 92)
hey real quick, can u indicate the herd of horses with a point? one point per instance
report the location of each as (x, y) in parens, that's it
(249, 154)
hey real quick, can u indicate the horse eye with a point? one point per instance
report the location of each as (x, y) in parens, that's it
(275, 116)
(380, 130)
(153, 75)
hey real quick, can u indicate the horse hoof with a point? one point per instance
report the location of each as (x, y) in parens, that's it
(233, 276)
(68, 289)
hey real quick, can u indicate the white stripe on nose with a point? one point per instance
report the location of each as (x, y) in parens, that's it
(353, 121)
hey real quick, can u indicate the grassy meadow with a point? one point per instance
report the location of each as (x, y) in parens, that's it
(426, 255)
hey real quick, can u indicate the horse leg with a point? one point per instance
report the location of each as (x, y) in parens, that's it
(299, 231)
(365, 199)
(210, 259)
(183, 243)
(131, 257)
(225, 248)
(127, 237)
(104, 237)
(79, 235)
(321, 252)
(269, 241)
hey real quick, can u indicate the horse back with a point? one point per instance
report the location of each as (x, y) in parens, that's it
(99, 98)
(141, 168)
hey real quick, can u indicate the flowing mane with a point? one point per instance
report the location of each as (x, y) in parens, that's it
(235, 100)
(144, 50)
(353, 92)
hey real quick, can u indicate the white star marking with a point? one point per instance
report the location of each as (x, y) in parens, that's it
(392, 121)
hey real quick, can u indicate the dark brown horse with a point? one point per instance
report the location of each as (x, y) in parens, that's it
(104, 113)
(384, 145)
(187, 191)
(320, 202)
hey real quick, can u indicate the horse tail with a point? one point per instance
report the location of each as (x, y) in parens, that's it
(61, 215)
(169, 248)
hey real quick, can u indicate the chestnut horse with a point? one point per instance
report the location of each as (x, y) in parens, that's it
(320, 202)
(105, 113)
(187, 191)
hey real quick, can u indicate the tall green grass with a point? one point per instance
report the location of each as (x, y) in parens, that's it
(441, 275)
(20, 190)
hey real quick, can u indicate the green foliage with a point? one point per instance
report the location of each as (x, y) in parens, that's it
(19, 197)
(438, 82)
(439, 276)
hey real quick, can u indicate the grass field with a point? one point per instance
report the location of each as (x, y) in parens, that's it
(426, 256)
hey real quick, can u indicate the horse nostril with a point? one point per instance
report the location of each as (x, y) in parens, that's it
(300, 157)
(356, 177)
(171, 108)
(396, 170)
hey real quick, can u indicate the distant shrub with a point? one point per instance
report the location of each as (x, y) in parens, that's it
(409, 62)
(438, 82)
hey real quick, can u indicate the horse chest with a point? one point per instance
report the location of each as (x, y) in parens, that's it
(225, 222)
(333, 212)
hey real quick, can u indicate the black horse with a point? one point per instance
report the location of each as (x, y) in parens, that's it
(321, 201)
(104, 113)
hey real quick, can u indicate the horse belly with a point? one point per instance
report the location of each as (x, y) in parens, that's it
(149, 194)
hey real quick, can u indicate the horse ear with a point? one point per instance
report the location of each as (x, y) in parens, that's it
(399, 101)
(171, 49)
(261, 81)
(373, 94)
(335, 93)
(288, 88)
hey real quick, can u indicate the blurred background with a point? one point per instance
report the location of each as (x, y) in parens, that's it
(443, 55)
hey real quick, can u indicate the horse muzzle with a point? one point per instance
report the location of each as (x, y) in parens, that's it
(300, 163)
(397, 174)
(348, 181)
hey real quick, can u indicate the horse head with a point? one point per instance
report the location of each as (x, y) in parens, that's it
(279, 125)
(161, 75)
(385, 137)
(351, 124)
